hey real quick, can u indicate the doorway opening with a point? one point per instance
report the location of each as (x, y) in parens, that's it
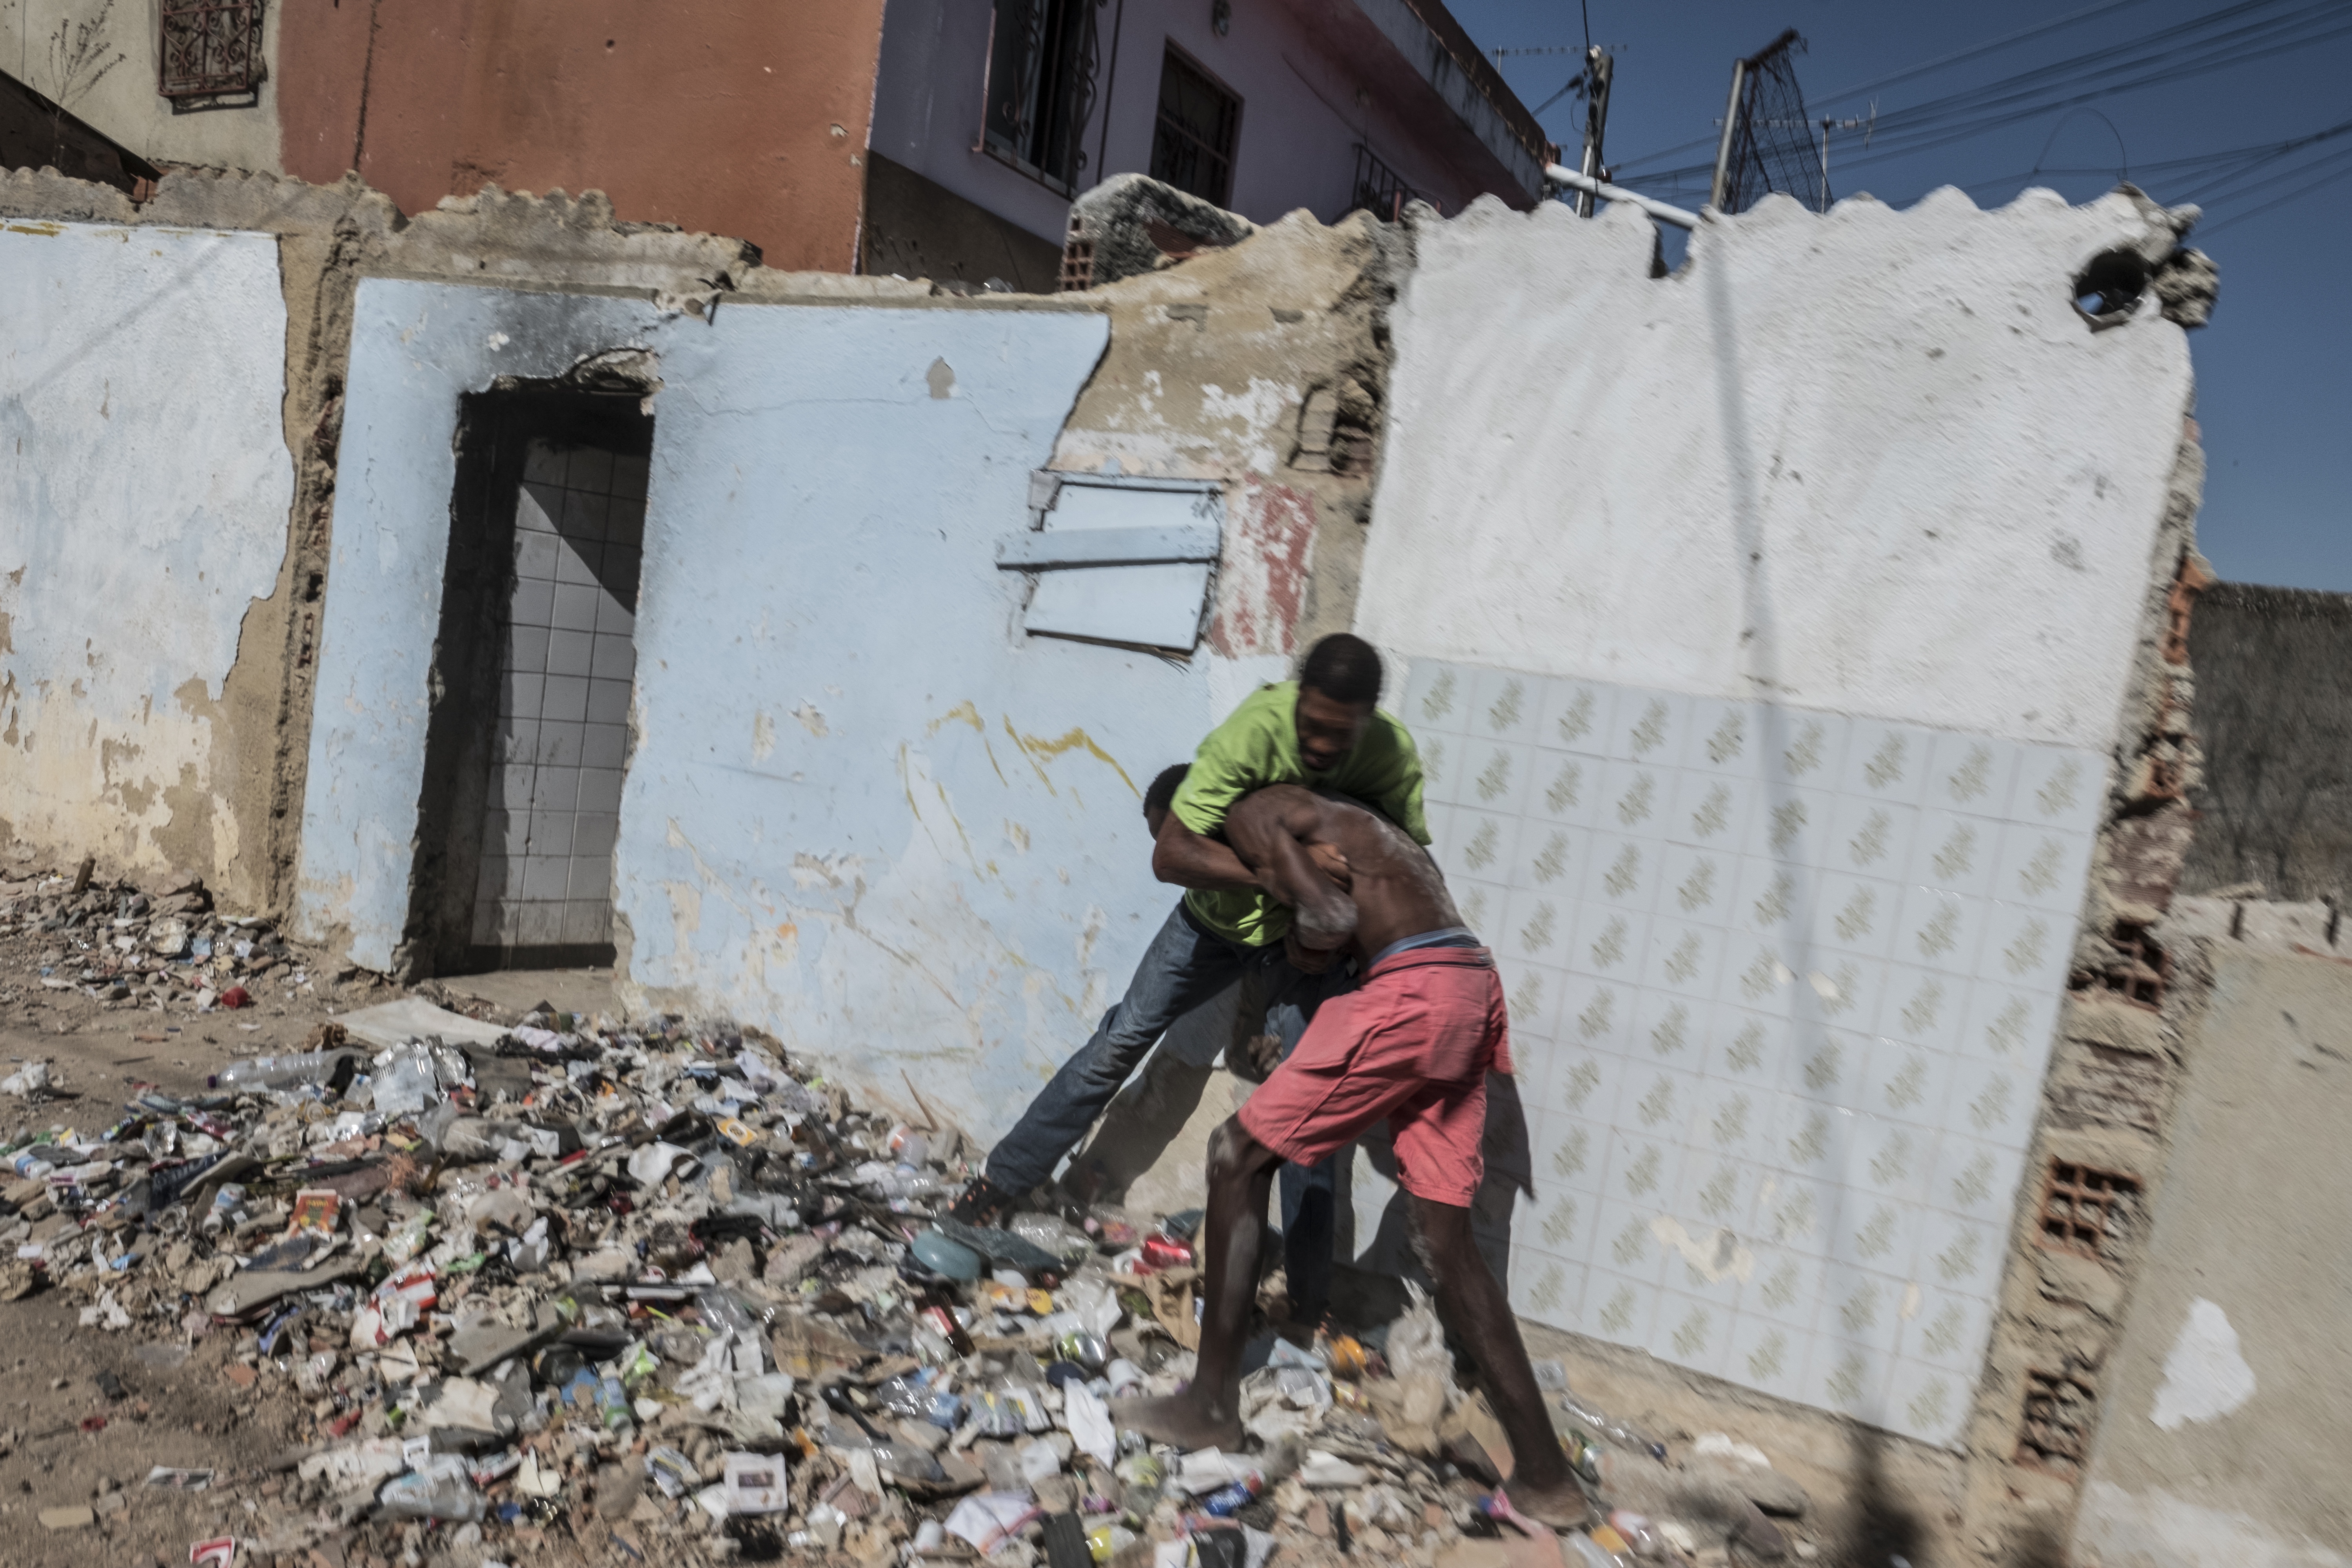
(529, 739)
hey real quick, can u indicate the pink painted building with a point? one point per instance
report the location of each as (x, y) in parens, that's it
(988, 118)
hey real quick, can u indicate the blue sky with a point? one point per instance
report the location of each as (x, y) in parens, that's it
(2274, 393)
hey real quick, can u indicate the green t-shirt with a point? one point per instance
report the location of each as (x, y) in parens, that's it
(1258, 746)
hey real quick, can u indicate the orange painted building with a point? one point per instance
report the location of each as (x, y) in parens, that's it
(739, 117)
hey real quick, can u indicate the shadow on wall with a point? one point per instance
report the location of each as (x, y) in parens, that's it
(1884, 1531)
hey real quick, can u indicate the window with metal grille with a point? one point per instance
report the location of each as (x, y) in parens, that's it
(1192, 147)
(210, 47)
(2086, 1210)
(1041, 86)
(1380, 190)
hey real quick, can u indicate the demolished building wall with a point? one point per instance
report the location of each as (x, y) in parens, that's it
(1269, 363)
(142, 513)
(222, 800)
(924, 840)
(1784, 637)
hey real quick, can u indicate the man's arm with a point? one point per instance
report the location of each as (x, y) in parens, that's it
(1271, 838)
(1234, 758)
(1189, 859)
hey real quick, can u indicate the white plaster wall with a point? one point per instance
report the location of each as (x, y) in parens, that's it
(1873, 462)
(1767, 626)
(144, 483)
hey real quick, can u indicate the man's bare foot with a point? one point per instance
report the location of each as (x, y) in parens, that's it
(1563, 1507)
(1176, 1419)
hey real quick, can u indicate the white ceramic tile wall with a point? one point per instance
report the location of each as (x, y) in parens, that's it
(1782, 985)
(563, 711)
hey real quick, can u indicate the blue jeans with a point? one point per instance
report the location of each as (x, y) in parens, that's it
(1185, 965)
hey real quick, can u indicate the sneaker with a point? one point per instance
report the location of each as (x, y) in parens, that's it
(982, 1203)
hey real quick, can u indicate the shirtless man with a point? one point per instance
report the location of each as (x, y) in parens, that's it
(1413, 1044)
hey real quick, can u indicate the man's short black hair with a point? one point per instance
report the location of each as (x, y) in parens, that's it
(1344, 667)
(1162, 792)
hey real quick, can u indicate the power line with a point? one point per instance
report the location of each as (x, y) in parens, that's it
(2166, 56)
(1960, 116)
(2201, 43)
(1937, 63)
(2292, 195)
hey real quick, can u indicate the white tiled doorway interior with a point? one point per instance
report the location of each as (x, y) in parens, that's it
(569, 660)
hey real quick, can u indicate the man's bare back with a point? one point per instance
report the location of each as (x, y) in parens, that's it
(1393, 888)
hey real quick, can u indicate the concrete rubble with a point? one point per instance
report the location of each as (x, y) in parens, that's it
(563, 1283)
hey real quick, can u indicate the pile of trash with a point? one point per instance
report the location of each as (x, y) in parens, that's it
(117, 944)
(659, 1286)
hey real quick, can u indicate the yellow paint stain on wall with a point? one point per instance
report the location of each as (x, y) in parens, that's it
(961, 713)
(1040, 751)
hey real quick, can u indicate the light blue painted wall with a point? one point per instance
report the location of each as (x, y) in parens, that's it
(415, 348)
(864, 811)
(144, 483)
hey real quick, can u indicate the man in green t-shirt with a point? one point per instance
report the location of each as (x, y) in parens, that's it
(1324, 730)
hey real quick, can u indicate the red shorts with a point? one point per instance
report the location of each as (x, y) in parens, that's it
(1413, 1043)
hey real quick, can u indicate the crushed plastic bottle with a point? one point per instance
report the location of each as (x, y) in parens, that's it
(1602, 1425)
(439, 1488)
(406, 1084)
(263, 1075)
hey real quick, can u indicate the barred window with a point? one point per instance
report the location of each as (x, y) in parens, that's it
(1041, 86)
(1192, 147)
(210, 47)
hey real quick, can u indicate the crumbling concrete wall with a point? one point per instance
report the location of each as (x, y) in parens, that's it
(1258, 369)
(142, 512)
(1262, 367)
(915, 852)
(1786, 639)
(211, 785)
(2224, 1403)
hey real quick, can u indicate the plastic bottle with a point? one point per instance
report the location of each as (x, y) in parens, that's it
(263, 1074)
(612, 1404)
(1622, 1433)
(439, 1488)
(1582, 1552)
(1638, 1533)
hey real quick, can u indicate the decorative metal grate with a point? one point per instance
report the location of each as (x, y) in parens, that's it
(210, 46)
(1380, 190)
(1041, 85)
(1772, 145)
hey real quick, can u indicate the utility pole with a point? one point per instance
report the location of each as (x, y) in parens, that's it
(1598, 68)
(1730, 134)
(1866, 126)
